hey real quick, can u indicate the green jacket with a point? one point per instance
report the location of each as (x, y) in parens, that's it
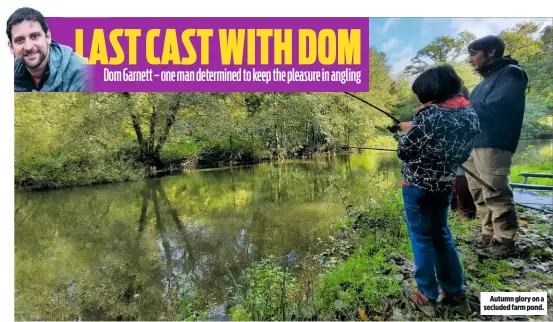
(67, 72)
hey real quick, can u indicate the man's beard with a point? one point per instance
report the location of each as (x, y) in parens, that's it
(41, 58)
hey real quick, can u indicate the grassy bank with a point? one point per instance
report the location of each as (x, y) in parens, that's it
(365, 278)
(367, 263)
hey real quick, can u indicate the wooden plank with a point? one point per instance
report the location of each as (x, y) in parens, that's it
(531, 186)
(536, 175)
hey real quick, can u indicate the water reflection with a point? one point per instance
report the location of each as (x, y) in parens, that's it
(542, 146)
(131, 250)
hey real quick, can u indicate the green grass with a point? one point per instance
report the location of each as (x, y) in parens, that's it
(542, 228)
(545, 167)
(365, 281)
(462, 228)
(532, 160)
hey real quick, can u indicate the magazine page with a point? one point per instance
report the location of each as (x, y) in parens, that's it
(278, 161)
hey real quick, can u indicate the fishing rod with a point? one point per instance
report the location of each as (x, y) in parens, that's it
(472, 174)
(364, 148)
(381, 110)
(397, 121)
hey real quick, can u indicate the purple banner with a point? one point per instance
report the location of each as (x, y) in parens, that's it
(220, 54)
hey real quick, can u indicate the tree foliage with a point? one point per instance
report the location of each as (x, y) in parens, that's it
(81, 138)
(532, 48)
(441, 50)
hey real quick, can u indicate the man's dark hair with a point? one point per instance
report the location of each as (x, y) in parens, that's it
(487, 44)
(437, 84)
(25, 14)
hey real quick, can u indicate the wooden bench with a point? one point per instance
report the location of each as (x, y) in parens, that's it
(527, 175)
(531, 186)
(531, 199)
(525, 185)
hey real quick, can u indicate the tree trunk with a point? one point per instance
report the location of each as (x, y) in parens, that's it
(277, 142)
(139, 135)
(137, 129)
(151, 139)
(230, 146)
(313, 142)
(346, 126)
(284, 142)
(251, 144)
(170, 120)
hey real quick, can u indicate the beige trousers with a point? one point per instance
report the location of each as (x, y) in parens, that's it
(496, 209)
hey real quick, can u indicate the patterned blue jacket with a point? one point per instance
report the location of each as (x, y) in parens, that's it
(441, 138)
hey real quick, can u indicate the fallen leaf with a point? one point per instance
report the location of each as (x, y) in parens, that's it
(362, 314)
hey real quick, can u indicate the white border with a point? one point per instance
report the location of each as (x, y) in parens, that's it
(219, 8)
(287, 8)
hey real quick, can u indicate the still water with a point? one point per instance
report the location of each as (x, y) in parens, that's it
(120, 250)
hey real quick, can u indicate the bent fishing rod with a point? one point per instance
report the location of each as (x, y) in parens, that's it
(397, 121)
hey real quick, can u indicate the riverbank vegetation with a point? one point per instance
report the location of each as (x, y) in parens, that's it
(366, 265)
(369, 284)
(72, 139)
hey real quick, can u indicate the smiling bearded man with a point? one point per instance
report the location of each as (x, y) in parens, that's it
(42, 65)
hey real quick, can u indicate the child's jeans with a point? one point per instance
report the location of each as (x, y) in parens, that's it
(431, 241)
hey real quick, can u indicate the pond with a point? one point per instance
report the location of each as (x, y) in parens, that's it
(120, 251)
(544, 146)
(117, 251)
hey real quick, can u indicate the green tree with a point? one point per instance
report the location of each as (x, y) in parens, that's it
(408, 101)
(441, 50)
(519, 42)
(153, 116)
(382, 93)
(71, 139)
(540, 68)
(104, 137)
(536, 110)
(468, 75)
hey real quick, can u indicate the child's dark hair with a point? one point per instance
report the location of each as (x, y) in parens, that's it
(25, 14)
(437, 84)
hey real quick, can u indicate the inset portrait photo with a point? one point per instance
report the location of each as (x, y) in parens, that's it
(41, 64)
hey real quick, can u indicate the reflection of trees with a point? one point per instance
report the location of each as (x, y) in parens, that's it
(121, 250)
(154, 191)
(97, 269)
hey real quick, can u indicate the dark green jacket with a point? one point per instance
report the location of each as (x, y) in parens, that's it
(67, 72)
